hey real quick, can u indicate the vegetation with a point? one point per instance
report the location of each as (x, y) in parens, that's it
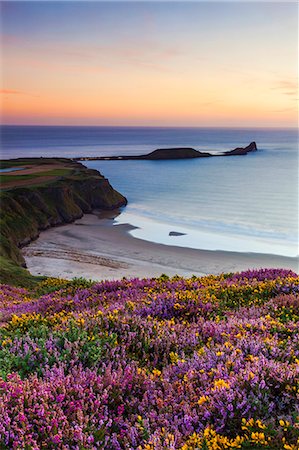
(22, 162)
(208, 363)
(14, 179)
(11, 273)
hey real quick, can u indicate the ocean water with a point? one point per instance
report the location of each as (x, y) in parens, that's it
(241, 203)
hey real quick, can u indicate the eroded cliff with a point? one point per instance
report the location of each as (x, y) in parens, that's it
(56, 191)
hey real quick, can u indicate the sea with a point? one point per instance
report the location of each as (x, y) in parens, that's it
(237, 203)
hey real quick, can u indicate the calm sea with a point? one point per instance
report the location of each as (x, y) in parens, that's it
(242, 203)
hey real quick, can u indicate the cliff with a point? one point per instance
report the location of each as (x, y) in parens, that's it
(46, 193)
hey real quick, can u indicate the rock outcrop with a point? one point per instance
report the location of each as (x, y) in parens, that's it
(242, 151)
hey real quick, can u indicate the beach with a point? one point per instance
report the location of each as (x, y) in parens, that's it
(94, 248)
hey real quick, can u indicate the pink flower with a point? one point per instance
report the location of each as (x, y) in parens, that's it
(120, 409)
(56, 439)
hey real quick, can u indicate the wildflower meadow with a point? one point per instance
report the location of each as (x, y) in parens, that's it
(205, 363)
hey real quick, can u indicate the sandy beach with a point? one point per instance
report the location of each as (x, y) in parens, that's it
(94, 248)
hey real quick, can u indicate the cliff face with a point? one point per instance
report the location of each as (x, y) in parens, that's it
(25, 211)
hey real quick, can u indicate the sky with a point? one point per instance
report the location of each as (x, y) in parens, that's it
(149, 63)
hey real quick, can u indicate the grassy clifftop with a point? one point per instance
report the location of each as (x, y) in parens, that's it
(44, 192)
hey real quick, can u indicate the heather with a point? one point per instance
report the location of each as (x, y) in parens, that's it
(167, 363)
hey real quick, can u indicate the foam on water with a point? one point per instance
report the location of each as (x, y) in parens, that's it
(203, 238)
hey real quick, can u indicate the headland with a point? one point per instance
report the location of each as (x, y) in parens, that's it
(39, 193)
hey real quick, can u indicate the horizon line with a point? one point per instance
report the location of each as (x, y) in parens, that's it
(152, 126)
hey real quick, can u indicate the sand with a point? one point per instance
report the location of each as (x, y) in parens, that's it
(94, 248)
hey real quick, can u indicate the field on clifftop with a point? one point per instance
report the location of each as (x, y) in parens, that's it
(200, 363)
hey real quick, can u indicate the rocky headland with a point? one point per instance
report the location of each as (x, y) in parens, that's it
(46, 192)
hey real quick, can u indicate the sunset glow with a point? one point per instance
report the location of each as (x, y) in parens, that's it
(147, 63)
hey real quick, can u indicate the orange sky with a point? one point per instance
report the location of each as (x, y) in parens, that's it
(101, 64)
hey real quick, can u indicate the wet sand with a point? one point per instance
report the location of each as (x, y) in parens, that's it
(94, 248)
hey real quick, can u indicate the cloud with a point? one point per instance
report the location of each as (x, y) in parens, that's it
(287, 87)
(146, 54)
(15, 92)
(8, 39)
(285, 110)
(10, 91)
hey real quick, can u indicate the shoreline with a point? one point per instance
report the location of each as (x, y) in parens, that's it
(98, 249)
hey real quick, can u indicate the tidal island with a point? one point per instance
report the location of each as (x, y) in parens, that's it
(173, 153)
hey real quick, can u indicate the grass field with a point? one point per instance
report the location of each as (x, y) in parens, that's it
(33, 174)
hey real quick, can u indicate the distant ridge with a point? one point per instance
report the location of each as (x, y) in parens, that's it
(172, 153)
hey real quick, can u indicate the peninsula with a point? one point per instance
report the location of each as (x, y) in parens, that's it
(172, 153)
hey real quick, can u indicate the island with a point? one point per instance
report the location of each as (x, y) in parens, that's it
(172, 153)
(38, 193)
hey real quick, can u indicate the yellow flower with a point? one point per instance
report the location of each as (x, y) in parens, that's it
(130, 305)
(258, 438)
(202, 399)
(201, 351)
(174, 357)
(177, 306)
(285, 424)
(220, 384)
(260, 424)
